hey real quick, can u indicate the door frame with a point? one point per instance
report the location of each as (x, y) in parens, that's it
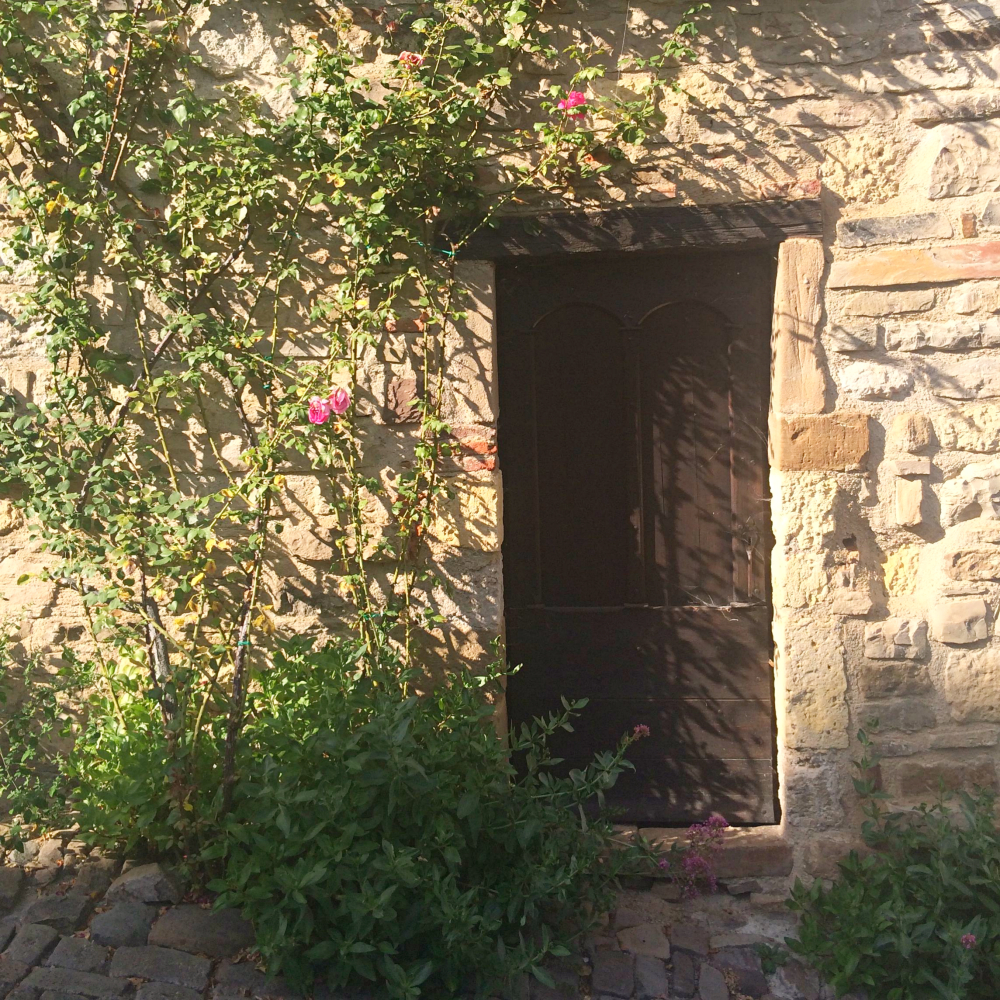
(638, 229)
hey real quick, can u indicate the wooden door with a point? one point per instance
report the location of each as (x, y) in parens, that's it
(632, 442)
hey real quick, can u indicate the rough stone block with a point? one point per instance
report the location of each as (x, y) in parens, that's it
(869, 380)
(916, 780)
(911, 432)
(972, 685)
(645, 939)
(11, 880)
(164, 965)
(815, 688)
(981, 563)
(910, 500)
(64, 913)
(953, 335)
(966, 159)
(80, 954)
(893, 229)
(904, 715)
(798, 980)
(743, 966)
(824, 852)
(95, 875)
(845, 340)
(30, 943)
(79, 984)
(833, 442)
(917, 266)
(145, 884)
(879, 304)
(896, 639)
(965, 378)
(911, 467)
(217, 933)
(123, 924)
(614, 973)
(887, 678)
(960, 622)
(651, 980)
(799, 382)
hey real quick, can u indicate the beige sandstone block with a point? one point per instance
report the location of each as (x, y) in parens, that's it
(960, 622)
(973, 427)
(918, 780)
(833, 442)
(909, 503)
(918, 266)
(468, 518)
(890, 678)
(901, 570)
(816, 687)
(972, 685)
(981, 563)
(10, 517)
(799, 378)
(911, 467)
(896, 639)
(878, 304)
(911, 432)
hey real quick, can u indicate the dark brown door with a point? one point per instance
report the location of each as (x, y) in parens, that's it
(632, 440)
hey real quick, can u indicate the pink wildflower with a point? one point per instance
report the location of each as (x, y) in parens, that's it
(319, 410)
(573, 100)
(339, 400)
(640, 731)
(968, 940)
(411, 59)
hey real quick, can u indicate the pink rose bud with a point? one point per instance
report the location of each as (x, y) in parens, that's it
(319, 410)
(411, 59)
(339, 400)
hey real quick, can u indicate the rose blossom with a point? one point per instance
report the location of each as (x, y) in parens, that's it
(339, 400)
(319, 410)
(411, 59)
(572, 100)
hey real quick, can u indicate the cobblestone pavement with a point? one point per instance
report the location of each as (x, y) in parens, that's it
(81, 926)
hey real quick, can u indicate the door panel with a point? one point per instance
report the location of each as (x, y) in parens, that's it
(633, 399)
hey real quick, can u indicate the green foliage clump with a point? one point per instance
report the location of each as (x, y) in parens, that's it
(919, 916)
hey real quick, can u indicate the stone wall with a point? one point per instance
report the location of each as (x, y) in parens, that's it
(885, 430)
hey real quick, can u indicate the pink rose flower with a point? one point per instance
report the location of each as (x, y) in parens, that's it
(573, 100)
(968, 940)
(411, 59)
(319, 410)
(339, 400)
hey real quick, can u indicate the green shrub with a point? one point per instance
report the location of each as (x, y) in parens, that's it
(381, 836)
(919, 916)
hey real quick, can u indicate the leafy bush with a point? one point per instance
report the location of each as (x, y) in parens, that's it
(917, 918)
(378, 835)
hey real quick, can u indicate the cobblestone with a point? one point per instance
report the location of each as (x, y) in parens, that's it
(217, 933)
(79, 954)
(30, 943)
(79, 984)
(64, 913)
(163, 965)
(123, 924)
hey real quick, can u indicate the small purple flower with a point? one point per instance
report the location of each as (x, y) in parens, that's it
(968, 940)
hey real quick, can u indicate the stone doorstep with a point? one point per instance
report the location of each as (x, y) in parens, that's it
(747, 852)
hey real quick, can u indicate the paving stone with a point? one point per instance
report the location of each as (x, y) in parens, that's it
(65, 913)
(218, 933)
(11, 973)
(614, 973)
(744, 964)
(241, 979)
(685, 975)
(30, 943)
(27, 854)
(689, 937)
(145, 884)
(164, 965)
(651, 978)
(798, 980)
(24, 993)
(165, 991)
(645, 939)
(11, 880)
(712, 984)
(95, 875)
(80, 954)
(124, 924)
(79, 984)
(742, 886)
(8, 928)
(539, 991)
